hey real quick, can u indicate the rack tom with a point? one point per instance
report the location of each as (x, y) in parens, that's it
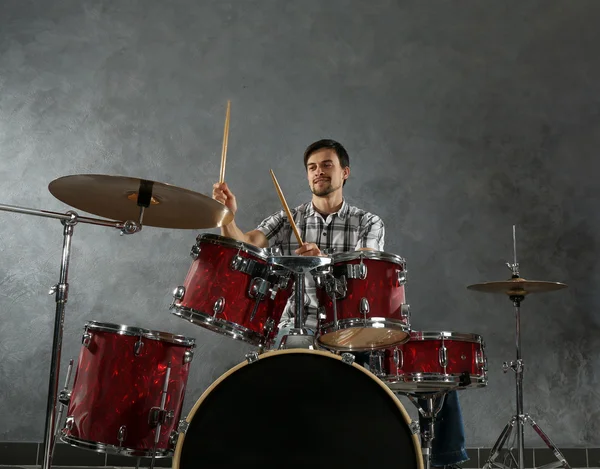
(362, 304)
(433, 361)
(230, 289)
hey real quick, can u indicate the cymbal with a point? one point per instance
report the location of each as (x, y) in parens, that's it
(117, 197)
(517, 286)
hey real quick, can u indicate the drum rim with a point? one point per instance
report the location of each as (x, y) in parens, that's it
(444, 381)
(419, 336)
(123, 329)
(274, 353)
(220, 326)
(352, 323)
(230, 242)
(100, 447)
(376, 255)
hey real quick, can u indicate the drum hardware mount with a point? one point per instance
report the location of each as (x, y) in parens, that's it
(86, 339)
(219, 306)
(252, 357)
(429, 414)
(405, 310)
(195, 252)
(415, 427)
(516, 289)
(138, 346)
(188, 356)
(348, 358)
(364, 308)
(158, 415)
(61, 292)
(258, 289)
(443, 356)
(247, 266)
(299, 266)
(121, 435)
(64, 398)
(357, 271)
(160, 412)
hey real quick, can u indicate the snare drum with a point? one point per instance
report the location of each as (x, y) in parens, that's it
(362, 302)
(231, 290)
(296, 409)
(116, 402)
(433, 361)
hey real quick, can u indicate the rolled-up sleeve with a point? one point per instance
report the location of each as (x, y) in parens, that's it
(271, 226)
(371, 233)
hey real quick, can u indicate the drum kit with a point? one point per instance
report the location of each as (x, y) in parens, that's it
(129, 384)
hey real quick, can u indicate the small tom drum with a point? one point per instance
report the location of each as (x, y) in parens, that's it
(230, 289)
(116, 405)
(362, 303)
(433, 361)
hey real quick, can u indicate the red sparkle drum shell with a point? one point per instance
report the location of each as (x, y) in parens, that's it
(418, 365)
(372, 312)
(217, 291)
(298, 408)
(119, 380)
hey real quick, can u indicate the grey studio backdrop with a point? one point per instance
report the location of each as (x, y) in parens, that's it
(461, 119)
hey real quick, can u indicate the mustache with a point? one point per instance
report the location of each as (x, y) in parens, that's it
(320, 179)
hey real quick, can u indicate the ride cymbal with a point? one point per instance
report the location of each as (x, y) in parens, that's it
(517, 286)
(120, 198)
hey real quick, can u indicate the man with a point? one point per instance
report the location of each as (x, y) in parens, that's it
(328, 224)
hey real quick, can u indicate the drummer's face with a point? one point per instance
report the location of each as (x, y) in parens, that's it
(324, 172)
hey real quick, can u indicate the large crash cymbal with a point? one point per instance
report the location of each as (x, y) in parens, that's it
(117, 197)
(517, 287)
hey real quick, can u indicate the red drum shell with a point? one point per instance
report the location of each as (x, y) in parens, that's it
(114, 387)
(387, 321)
(211, 281)
(420, 362)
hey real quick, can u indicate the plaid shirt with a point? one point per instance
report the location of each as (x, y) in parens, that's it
(347, 229)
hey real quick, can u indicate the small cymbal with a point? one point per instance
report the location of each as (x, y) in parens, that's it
(517, 286)
(116, 197)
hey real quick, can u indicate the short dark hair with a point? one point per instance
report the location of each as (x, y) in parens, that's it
(340, 151)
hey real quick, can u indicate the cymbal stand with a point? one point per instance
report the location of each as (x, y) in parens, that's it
(429, 414)
(520, 418)
(61, 293)
(298, 336)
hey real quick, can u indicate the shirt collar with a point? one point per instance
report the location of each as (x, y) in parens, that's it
(342, 212)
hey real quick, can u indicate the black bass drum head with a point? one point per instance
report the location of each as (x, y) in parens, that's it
(298, 409)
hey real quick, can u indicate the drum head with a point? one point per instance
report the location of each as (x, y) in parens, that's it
(298, 409)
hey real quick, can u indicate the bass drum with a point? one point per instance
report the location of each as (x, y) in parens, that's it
(297, 408)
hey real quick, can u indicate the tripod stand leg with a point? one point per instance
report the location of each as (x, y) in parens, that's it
(500, 444)
(561, 461)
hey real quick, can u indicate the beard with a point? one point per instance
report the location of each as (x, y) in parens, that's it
(323, 190)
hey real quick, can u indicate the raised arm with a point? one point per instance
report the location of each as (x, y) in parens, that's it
(222, 193)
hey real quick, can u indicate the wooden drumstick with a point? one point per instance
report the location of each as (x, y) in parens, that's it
(225, 141)
(287, 209)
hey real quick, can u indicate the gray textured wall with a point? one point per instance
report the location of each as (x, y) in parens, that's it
(461, 118)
